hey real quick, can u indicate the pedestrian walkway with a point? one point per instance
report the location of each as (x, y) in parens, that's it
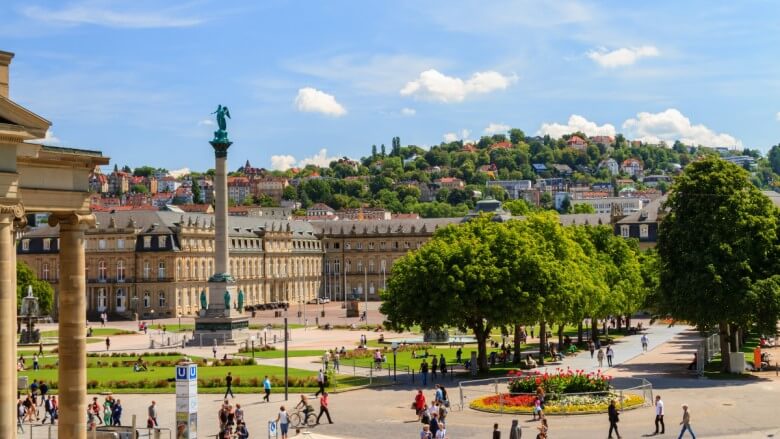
(625, 349)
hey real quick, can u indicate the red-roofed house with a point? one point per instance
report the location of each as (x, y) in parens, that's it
(450, 183)
(604, 140)
(238, 189)
(576, 142)
(632, 167)
(469, 147)
(501, 145)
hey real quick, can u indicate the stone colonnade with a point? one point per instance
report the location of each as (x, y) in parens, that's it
(11, 215)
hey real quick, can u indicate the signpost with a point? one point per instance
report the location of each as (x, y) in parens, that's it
(187, 401)
(395, 351)
(272, 430)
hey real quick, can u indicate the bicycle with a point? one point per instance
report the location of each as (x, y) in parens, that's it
(296, 419)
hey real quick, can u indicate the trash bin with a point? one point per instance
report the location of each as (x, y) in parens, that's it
(254, 313)
(322, 313)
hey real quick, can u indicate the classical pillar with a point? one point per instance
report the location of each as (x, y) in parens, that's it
(10, 216)
(72, 376)
(221, 214)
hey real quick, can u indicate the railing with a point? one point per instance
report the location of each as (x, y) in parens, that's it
(50, 431)
(706, 351)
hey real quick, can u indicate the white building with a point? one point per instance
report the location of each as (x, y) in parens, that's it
(604, 205)
(514, 188)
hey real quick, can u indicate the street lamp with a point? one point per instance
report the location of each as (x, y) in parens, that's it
(179, 322)
(395, 351)
(152, 314)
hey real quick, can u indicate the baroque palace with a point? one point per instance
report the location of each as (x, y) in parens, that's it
(156, 263)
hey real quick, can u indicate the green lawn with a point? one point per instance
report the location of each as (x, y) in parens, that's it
(96, 332)
(104, 375)
(279, 353)
(712, 369)
(404, 358)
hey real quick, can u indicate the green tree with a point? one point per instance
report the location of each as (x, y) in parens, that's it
(373, 151)
(197, 195)
(719, 238)
(516, 136)
(584, 208)
(42, 290)
(517, 207)
(139, 189)
(290, 193)
(143, 171)
(774, 158)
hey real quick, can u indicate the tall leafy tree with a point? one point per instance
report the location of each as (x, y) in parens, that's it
(719, 238)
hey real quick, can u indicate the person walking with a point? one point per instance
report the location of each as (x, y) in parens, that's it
(267, 388)
(644, 342)
(283, 422)
(229, 383)
(424, 372)
(320, 383)
(443, 366)
(659, 414)
(116, 413)
(44, 388)
(108, 343)
(47, 410)
(325, 360)
(241, 431)
(419, 404)
(514, 430)
(600, 357)
(152, 412)
(324, 408)
(610, 354)
(55, 408)
(496, 432)
(612, 412)
(336, 358)
(591, 347)
(686, 422)
(35, 362)
(434, 369)
(214, 351)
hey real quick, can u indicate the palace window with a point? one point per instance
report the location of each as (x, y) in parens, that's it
(120, 270)
(624, 231)
(102, 244)
(644, 230)
(45, 271)
(360, 246)
(147, 241)
(382, 265)
(359, 266)
(161, 299)
(102, 271)
(47, 243)
(161, 269)
(146, 270)
(102, 299)
(371, 266)
(337, 266)
(370, 245)
(347, 266)
(120, 244)
(347, 246)
(25, 245)
(161, 241)
(147, 299)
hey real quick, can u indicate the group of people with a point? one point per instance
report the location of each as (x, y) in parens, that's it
(29, 408)
(436, 365)
(109, 413)
(660, 428)
(231, 422)
(433, 415)
(333, 357)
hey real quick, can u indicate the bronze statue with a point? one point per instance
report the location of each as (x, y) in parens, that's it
(203, 304)
(227, 299)
(221, 113)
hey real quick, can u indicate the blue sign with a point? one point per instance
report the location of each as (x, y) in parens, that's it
(187, 372)
(271, 428)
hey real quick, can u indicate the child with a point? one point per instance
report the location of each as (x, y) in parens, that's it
(537, 408)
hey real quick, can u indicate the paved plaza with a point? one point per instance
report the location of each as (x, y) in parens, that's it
(720, 408)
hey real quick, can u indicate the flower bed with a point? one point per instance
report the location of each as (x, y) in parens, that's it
(564, 404)
(561, 382)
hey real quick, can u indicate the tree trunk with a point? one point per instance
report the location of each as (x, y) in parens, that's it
(594, 329)
(560, 337)
(516, 358)
(628, 322)
(481, 335)
(724, 347)
(542, 341)
(619, 325)
(579, 332)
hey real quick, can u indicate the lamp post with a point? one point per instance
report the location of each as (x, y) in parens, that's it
(152, 313)
(179, 322)
(395, 351)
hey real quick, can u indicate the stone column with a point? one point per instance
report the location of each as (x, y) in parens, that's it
(10, 215)
(221, 215)
(72, 376)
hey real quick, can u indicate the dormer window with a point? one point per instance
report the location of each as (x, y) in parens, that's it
(147, 241)
(161, 241)
(25, 245)
(47, 243)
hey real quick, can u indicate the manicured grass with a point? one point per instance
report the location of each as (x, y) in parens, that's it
(404, 358)
(279, 353)
(96, 332)
(712, 369)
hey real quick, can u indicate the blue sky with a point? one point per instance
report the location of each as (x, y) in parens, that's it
(306, 81)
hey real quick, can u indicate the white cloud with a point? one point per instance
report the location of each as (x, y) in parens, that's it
(436, 86)
(178, 173)
(408, 111)
(496, 128)
(314, 101)
(94, 14)
(49, 139)
(778, 116)
(454, 137)
(671, 125)
(283, 162)
(576, 123)
(624, 56)
(206, 122)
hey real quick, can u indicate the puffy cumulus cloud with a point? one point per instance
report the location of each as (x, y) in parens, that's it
(671, 125)
(576, 123)
(454, 137)
(312, 100)
(436, 86)
(178, 173)
(48, 139)
(624, 56)
(408, 111)
(283, 162)
(496, 128)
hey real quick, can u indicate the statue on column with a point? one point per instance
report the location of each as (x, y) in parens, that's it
(203, 303)
(227, 299)
(240, 300)
(221, 133)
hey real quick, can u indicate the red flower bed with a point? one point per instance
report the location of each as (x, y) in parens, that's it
(510, 400)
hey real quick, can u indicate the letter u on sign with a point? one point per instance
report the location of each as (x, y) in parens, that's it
(181, 372)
